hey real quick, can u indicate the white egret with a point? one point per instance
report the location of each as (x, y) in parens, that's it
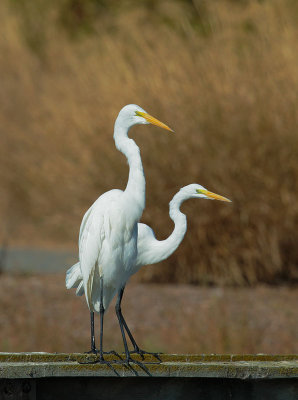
(150, 250)
(108, 232)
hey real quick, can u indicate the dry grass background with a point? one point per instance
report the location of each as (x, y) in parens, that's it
(38, 314)
(223, 74)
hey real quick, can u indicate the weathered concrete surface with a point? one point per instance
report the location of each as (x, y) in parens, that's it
(42, 365)
(43, 376)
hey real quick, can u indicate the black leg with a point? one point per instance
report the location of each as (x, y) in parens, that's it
(136, 349)
(93, 347)
(119, 316)
(101, 313)
(120, 295)
(101, 352)
(121, 319)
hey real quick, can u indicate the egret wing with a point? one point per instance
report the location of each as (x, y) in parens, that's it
(92, 237)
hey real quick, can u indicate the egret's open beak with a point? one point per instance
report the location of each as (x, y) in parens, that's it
(153, 121)
(212, 196)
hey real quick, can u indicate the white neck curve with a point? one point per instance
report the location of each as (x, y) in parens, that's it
(136, 185)
(162, 249)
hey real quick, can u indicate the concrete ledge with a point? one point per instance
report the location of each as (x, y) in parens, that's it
(42, 365)
(43, 376)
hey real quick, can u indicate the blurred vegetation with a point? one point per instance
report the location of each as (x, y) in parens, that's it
(214, 320)
(223, 74)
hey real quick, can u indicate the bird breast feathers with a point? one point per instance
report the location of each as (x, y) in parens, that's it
(105, 229)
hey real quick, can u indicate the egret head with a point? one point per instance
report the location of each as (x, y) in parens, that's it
(197, 191)
(132, 115)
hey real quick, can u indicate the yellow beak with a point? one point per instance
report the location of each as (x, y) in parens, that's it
(212, 196)
(153, 121)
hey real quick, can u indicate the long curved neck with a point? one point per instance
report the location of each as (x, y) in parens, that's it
(136, 185)
(165, 248)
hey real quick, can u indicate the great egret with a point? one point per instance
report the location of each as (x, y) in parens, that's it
(149, 249)
(108, 232)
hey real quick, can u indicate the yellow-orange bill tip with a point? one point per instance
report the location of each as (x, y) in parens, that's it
(212, 195)
(154, 121)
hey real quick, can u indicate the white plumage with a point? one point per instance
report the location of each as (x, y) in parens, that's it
(107, 246)
(108, 233)
(151, 250)
(112, 244)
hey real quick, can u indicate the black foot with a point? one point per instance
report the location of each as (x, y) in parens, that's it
(128, 361)
(96, 351)
(141, 352)
(101, 360)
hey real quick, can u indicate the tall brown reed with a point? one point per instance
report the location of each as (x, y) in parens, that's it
(229, 91)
